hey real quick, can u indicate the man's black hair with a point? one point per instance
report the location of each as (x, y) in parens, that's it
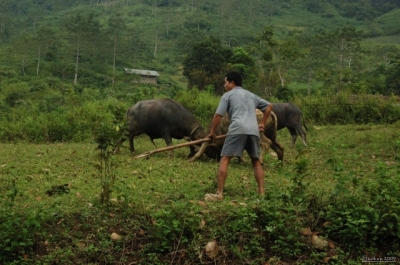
(236, 77)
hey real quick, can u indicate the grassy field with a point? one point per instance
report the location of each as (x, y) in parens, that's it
(50, 197)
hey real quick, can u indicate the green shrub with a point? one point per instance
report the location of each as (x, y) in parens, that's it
(348, 109)
(64, 115)
(284, 94)
(16, 94)
(59, 123)
(370, 221)
(135, 94)
(201, 103)
(244, 233)
(17, 231)
(38, 85)
(173, 227)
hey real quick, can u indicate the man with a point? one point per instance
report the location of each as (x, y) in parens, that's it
(243, 132)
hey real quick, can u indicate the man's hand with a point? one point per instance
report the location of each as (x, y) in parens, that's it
(215, 123)
(212, 136)
(261, 127)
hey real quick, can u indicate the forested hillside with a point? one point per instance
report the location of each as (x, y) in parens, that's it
(284, 48)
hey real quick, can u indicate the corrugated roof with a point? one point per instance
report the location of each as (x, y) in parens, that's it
(141, 72)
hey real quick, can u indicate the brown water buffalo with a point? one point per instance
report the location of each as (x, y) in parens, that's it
(290, 116)
(268, 139)
(162, 118)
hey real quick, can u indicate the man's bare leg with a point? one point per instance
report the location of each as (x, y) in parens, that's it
(221, 177)
(222, 173)
(259, 175)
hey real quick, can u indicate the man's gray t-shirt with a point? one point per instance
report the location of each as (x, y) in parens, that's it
(241, 107)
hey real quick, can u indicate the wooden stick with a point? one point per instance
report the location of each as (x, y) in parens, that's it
(179, 146)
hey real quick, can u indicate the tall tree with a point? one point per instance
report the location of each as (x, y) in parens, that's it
(393, 79)
(6, 20)
(23, 51)
(207, 64)
(116, 26)
(280, 53)
(45, 38)
(81, 28)
(341, 52)
(138, 50)
(243, 62)
(187, 39)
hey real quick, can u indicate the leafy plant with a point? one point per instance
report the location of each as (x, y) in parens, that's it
(366, 221)
(17, 230)
(107, 137)
(177, 225)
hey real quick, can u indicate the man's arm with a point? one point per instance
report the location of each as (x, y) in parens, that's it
(267, 112)
(214, 125)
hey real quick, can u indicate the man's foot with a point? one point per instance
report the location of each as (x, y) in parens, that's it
(213, 197)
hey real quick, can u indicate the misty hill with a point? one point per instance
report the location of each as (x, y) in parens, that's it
(159, 34)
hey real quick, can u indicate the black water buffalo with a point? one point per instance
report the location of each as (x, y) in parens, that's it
(162, 118)
(267, 140)
(291, 117)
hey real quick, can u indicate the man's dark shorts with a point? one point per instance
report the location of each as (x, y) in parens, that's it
(235, 144)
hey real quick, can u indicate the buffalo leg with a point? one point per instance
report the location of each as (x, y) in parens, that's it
(119, 143)
(131, 146)
(279, 150)
(293, 133)
(302, 133)
(303, 137)
(168, 142)
(264, 148)
(192, 150)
